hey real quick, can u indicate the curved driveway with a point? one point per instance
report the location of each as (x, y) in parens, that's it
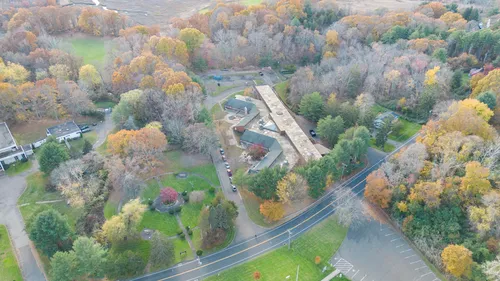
(264, 242)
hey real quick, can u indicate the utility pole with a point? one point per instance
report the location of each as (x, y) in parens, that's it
(343, 167)
(297, 278)
(289, 238)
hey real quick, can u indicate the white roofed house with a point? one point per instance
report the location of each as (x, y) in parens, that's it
(65, 131)
(10, 152)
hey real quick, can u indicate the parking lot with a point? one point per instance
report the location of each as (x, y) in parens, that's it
(377, 252)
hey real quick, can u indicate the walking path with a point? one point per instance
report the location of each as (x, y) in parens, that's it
(11, 187)
(186, 234)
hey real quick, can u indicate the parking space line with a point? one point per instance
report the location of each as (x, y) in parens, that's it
(395, 239)
(355, 274)
(414, 262)
(343, 265)
(400, 245)
(409, 256)
(420, 268)
(390, 234)
(430, 272)
(405, 251)
(363, 277)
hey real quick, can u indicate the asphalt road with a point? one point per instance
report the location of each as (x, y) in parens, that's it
(264, 242)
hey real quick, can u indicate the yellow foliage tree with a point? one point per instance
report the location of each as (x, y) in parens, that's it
(124, 225)
(377, 189)
(13, 73)
(475, 182)
(291, 187)
(272, 211)
(480, 218)
(332, 38)
(488, 82)
(192, 37)
(457, 260)
(482, 109)
(431, 76)
(88, 73)
(428, 192)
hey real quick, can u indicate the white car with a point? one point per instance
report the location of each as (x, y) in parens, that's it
(233, 187)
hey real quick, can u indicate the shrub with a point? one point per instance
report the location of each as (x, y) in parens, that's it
(179, 231)
(190, 232)
(211, 190)
(171, 211)
(150, 202)
(184, 193)
(182, 236)
(197, 196)
(199, 253)
(178, 209)
(152, 208)
(188, 228)
(186, 198)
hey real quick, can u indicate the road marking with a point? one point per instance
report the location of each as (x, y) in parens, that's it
(409, 256)
(363, 277)
(355, 274)
(414, 262)
(343, 265)
(390, 234)
(400, 245)
(395, 239)
(420, 268)
(430, 272)
(405, 251)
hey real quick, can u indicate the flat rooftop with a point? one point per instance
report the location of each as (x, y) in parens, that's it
(6, 139)
(286, 123)
(64, 129)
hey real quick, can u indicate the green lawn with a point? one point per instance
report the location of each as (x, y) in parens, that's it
(78, 143)
(189, 184)
(323, 240)
(281, 90)
(139, 246)
(110, 209)
(207, 171)
(387, 146)
(379, 109)
(181, 245)
(35, 190)
(190, 214)
(18, 167)
(221, 89)
(163, 222)
(338, 278)
(91, 49)
(9, 269)
(407, 131)
(250, 2)
(105, 104)
(217, 112)
(259, 81)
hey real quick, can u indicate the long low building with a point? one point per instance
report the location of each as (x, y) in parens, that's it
(286, 124)
(10, 152)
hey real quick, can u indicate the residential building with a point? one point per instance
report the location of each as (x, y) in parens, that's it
(272, 146)
(10, 152)
(65, 131)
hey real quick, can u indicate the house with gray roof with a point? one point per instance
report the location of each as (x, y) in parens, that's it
(65, 131)
(247, 109)
(10, 152)
(272, 146)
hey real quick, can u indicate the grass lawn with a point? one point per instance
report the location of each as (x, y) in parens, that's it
(139, 246)
(103, 148)
(217, 112)
(281, 90)
(151, 191)
(18, 167)
(338, 278)
(190, 183)
(379, 109)
(105, 104)
(9, 269)
(207, 171)
(163, 222)
(252, 205)
(190, 214)
(322, 240)
(251, 2)
(221, 89)
(110, 209)
(78, 143)
(408, 130)
(35, 190)
(259, 81)
(181, 245)
(30, 211)
(387, 146)
(91, 49)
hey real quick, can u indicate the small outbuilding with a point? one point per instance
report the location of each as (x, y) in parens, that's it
(65, 131)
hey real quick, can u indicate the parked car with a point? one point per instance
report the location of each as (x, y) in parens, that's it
(231, 180)
(229, 173)
(94, 124)
(313, 133)
(85, 130)
(224, 158)
(221, 151)
(227, 165)
(233, 187)
(261, 74)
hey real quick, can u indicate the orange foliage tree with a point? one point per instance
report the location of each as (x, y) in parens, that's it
(273, 211)
(377, 189)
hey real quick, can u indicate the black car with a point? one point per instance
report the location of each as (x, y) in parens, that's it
(313, 133)
(261, 74)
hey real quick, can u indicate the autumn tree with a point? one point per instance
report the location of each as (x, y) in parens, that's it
(124, 225)
(192, 37)
(256, 275)
(488, 98)
(162, 250)
(199, 138)
(377, 189)
(475, 183)
(457, 260)
(329, 129)
(292, 188)
(264, 183)
(168, 195)
(257, 151)
(272, 211)
(89, 78)
(427, 192)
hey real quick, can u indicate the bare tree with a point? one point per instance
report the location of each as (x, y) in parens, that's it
(198, 138)
(348, 207)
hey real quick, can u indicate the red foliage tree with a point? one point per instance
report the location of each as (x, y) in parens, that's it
(257, 151)
(168, 195)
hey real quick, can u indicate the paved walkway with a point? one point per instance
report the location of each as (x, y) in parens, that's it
(186, 235)
(103, 129)
(11, 188)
